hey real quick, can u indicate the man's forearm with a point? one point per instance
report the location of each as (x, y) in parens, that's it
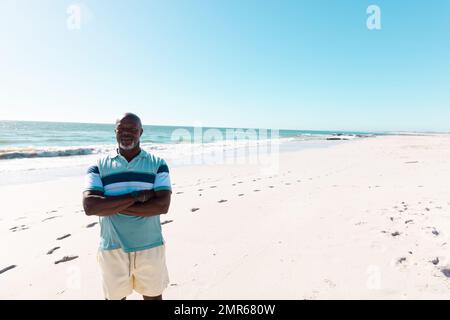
(106, 206)
(152, 207)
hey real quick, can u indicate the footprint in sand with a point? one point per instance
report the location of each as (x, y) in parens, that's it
(19, 228)
(8, 268)
(213, 187)
(50, 218)
(200, 190)
(287, 183)
(446, 272)
(64, 236)
(396, 233)
(401, 260)
(256, 190)
(221, 201)
(194, 209)
(435, 261)
(167, 221)
(53, 250)
(239, 181)
(271, 187)
(90, 225)
(65, 259)
(179, 192)
(240, 194)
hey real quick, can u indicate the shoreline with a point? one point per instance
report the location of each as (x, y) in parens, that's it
(75, 166)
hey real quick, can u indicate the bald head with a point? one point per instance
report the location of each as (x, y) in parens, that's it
(129, 117)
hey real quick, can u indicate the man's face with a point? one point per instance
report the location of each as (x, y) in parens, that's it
(128, 132)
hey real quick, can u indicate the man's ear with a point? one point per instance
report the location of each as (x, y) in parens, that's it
(142, 131)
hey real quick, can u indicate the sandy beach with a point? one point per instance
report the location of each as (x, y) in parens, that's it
(365, 219)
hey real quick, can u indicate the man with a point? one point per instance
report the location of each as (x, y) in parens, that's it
(129, 190)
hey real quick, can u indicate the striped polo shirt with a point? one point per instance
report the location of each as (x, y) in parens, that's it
(114, 175)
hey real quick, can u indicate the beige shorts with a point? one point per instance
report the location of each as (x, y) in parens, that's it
(144, 271)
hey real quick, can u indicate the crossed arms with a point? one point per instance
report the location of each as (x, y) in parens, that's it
(146, 204)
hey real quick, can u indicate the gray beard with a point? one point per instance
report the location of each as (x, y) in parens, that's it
(129, 147)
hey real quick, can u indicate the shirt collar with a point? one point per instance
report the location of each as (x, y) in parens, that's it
(115, 153)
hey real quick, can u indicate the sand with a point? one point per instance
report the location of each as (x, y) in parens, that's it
(366, 219)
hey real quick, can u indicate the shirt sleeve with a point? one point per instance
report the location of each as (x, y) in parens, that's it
(92, 180)
(162, 179)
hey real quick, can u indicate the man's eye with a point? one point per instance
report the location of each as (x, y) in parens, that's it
(126, 130)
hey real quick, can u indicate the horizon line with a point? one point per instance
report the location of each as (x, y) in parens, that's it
(222, 127)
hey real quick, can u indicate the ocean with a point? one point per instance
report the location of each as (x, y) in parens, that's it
(43, 148)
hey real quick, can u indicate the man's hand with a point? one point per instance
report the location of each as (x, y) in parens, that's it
(144, 195)
(158, 204)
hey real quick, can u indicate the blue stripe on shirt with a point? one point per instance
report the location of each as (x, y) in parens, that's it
(128, 177)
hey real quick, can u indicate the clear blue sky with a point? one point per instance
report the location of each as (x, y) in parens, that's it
(241, 63)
